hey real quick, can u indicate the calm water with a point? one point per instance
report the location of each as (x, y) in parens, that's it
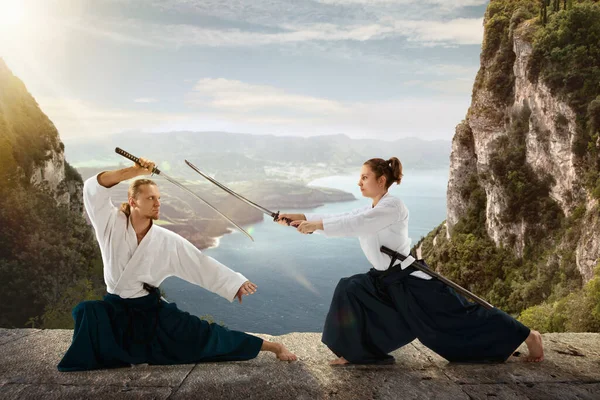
(296, 274)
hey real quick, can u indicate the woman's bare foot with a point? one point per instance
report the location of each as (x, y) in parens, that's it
(339, 361)
(281, 352)
(535, 347)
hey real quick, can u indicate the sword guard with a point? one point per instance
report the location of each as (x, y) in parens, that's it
(276, 218)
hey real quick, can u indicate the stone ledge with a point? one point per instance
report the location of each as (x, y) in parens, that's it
(571, 371)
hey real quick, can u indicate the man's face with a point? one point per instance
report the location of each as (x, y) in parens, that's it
(147, 202)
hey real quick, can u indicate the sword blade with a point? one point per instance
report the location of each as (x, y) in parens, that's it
(179, 185)
(231, 192)
(156, 171)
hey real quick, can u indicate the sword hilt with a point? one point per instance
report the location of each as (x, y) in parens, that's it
(133, 158)
(276, 218)
(286, 220)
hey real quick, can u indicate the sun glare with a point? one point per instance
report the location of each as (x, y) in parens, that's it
(12, 13)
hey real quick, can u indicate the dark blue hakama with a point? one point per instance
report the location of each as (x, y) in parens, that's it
(375, 313)
(118, 332)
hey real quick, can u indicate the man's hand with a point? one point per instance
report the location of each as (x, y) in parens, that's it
(111, 178)
(145, 167)
(246, 289)
(306, 227)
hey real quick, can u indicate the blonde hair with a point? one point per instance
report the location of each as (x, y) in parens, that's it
(133, 191)
(391, 169)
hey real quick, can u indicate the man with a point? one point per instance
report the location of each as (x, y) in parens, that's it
(132, 325)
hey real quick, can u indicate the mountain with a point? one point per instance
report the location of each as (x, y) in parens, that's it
(235, 156)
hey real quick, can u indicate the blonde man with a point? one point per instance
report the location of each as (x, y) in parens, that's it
(132, 325)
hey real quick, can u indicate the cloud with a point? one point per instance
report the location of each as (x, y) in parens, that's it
(75, 118)
(439, 3)
(456, 31)
(456, 86)
(145, 100)
(227, 105)
(453, 32)
(225, 94)
(266, 109)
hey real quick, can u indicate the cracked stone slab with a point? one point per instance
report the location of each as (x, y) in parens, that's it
(36, 392)
(9, 335)
(493, 391)
(29, 358)
(534, 391)
(265, 378)
(33, 358)
(412, 377)
(560, 391)
(556, 368)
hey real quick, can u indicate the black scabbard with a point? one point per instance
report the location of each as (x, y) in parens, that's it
(422, 267)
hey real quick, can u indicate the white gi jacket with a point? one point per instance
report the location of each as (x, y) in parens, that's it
(386, 224)
(160, 254)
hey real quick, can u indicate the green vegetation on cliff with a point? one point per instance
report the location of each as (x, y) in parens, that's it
(537, 279)
(49, 259)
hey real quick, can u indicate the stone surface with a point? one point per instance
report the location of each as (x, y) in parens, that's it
(571, 371)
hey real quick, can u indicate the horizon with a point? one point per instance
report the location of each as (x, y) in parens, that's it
(82, 139)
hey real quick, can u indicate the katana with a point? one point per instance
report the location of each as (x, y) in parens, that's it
(422, 267)
(156, 171)
(274, 215)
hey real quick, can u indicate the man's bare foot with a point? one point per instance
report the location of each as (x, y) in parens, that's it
(535, 347)
(284, 354)
(339, 361)
(280, 351)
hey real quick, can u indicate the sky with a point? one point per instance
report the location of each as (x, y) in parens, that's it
(382, 69)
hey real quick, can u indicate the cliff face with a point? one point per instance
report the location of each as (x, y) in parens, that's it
(33, 141)
(548, 134)
(48, 256)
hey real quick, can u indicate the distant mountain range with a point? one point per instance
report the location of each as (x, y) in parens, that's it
(246, 157)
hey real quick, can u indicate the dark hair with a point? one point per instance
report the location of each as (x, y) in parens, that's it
(391, 169)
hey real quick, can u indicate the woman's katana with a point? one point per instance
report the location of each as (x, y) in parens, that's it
(421, 267)
(274, 215)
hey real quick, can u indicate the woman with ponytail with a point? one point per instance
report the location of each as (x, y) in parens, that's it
(375, 313)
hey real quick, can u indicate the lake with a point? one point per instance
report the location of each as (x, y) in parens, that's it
(296, 274)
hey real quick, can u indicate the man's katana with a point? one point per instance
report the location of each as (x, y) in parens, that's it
(156, 171)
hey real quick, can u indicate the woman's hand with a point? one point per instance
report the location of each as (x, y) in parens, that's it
(145, 166)
(246, 289)
(306, 227)
(284, 219)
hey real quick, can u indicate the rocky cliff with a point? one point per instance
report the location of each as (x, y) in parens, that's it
(548, 138)
(36, 149)
(525, 160)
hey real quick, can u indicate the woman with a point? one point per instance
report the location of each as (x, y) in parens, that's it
(375, 313)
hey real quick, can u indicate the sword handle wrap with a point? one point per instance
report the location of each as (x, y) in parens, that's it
(286, 220)
(133, 158)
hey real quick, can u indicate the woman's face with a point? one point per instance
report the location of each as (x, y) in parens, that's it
(369, 185)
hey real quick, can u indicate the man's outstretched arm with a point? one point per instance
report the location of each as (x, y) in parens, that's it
(111, 178)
